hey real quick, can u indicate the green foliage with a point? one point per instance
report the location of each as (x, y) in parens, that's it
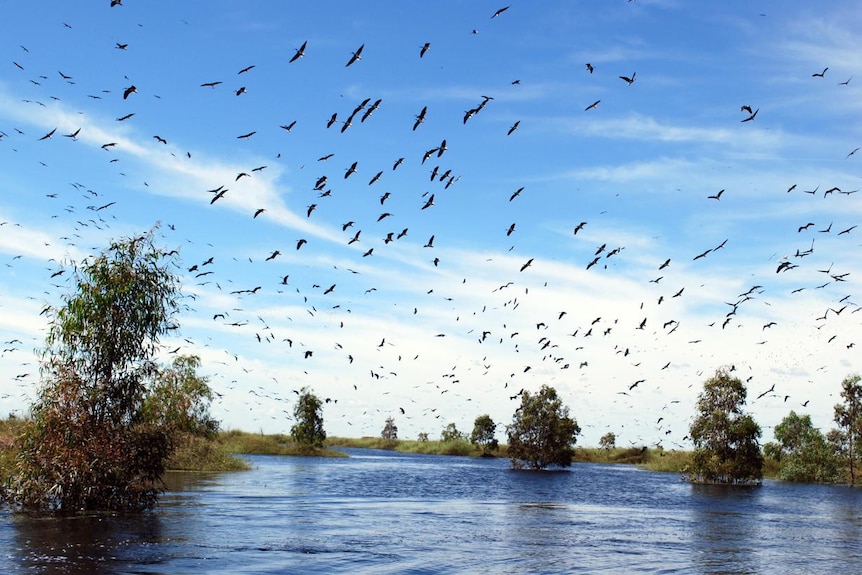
(802, 451)
(88, 446)
(451, 433)
(308, 413)
(484, 434)
(848, 416)
(390, 431)
(724, 437)
(608, 441)
(179, 400)
(542, 433)
(193, 452)
(423, 437)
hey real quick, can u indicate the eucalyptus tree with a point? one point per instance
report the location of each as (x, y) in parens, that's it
(848, 416)
(541, 432)
(89, 445)
(726, 447)
(308, 430)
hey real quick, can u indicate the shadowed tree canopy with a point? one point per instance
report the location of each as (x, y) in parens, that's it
(308, 413)
(180, 399)
(484, 434)
(802, 452)
(848, 416)
(89, 446)
(726, 448)
(542, 433)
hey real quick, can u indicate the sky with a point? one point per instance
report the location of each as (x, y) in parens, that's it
(613, 198)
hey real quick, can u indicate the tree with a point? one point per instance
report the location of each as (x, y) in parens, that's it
(541, 432)
(451, 433)
(180, 399)
(89, 446)
(484, 434)
(802, 452)
(308, 413)
(848, 416)
(608, 441)
(423, 437)
(390, 431)
(725, 438)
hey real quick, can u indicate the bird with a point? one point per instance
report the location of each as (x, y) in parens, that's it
(527, 264)
(629, 80)
(289, 126)
(590, 68)
(129, 91)
(428, 203)
(820, 74)
(300, 52)
(591, 106)
(356, 56)
(210, 84)
(351, 170)
(579, 227)
(332, 120)
(500, 11)
(716, 196)
(513, 128)
(48, 135)
(420, 118)
(246, 69)
(752, 116)
(516, 193)
(424, 49)
(257, 212)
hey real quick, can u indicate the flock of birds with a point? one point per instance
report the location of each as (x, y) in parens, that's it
(454, 361)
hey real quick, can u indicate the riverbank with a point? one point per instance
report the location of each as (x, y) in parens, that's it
(194, 453)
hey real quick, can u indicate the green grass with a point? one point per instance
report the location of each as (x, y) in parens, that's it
(431, 447)
(195, 453)
(236, 441)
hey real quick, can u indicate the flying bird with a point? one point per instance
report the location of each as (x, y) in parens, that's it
(591, 106)
(420, 118)
(424, 49)
(752, 116)
(356, 56)
(500, 11)
(300, 52)
(513, 128)
(526, 265)
(820, 74)
(129, 91)
(629, 80)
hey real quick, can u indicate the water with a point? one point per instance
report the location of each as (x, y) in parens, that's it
(382, 512)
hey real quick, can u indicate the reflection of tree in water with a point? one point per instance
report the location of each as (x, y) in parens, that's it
(725, 528)
(84, 544)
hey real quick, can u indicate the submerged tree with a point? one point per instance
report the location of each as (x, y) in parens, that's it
(451, 433)
(726, 448)
(848, 416)
(89, 446)
(179, 400)
(608, 441)
(484, 434)
(542, 433)
(308, 413)
(802, 452)
(390, 431)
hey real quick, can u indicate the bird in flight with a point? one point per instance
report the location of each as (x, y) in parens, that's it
(513, 128)
(420, 118)
(820, 74)
(591, 106)
(500, 11)
(424, 49)
(300, 52)
(716, 196)
(752, 115)
(629, 80)
(356, 56)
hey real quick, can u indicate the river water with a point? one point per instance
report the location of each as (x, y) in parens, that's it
(384, 512)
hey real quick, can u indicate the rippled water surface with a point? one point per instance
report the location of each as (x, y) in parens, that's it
(383, 512)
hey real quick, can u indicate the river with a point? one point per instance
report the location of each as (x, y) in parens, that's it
(383, 512)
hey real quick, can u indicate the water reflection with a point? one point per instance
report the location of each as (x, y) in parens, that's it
(379, 512)
(85, 545)
(725, 539)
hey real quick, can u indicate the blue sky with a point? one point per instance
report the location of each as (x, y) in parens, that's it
(432, 343)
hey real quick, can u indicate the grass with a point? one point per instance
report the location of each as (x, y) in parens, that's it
(430, 447)
(235, 441)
